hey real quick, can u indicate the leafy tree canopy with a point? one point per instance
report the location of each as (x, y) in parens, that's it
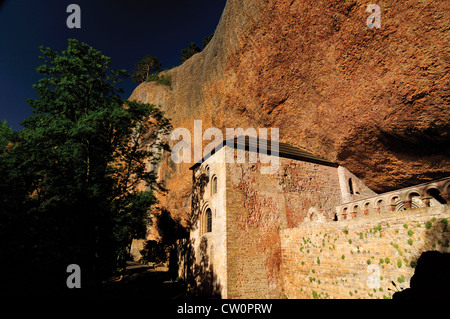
(76, 179)
(191, 50)
(207, 39)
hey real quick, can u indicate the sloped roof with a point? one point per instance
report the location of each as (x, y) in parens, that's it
(253, 144)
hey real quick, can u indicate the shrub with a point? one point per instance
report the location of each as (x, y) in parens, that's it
(160, 79)
(428, 225)
(164, 79)
(410, 241)
(152, 77)
(191, 50)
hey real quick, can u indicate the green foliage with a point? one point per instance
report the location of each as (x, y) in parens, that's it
(70, 176)
(410, 241)
(401, 279)
(191, 50)
(428, 225)
(160, 79)
(5, 135)
(345, 231)
(399, 263)
(152, 78)
(207, 39)
(147, 66)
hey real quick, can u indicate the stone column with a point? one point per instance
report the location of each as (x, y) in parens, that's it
(407, 203)
(426, 200)
(446, 196)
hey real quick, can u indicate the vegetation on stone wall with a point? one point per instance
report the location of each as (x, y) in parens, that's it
(389, 246)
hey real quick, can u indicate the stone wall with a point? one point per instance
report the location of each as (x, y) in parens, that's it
(258, 206)
(360, 258)
(209, 248)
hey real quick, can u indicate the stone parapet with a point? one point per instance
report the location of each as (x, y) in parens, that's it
(433, 193)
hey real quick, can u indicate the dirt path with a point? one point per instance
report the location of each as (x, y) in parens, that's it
(143, 282)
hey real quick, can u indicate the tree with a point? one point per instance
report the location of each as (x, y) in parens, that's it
(207, 39)
(189, 51)
(145, 67)
(5, 135)
(82, 161)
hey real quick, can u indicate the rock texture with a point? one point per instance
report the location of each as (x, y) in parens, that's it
(373, 100)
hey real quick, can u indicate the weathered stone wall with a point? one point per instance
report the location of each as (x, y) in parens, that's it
(258, 206)
(209, 248)
(360, 258)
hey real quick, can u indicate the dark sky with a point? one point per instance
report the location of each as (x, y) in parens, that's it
(125, 30)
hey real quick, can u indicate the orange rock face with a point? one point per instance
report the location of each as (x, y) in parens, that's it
(373, 100)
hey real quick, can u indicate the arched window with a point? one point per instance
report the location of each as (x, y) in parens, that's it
(208, 220)
(434, 192)
(350, 186)
(214, 185)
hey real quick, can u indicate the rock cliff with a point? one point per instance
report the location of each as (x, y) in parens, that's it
(373, 100)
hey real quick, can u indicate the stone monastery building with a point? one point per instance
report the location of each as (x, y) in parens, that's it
(242, 220)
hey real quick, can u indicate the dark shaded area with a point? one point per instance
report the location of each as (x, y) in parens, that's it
(431, 278)
(431, 141)
(142, 282)
(201, 279)
(166, 250)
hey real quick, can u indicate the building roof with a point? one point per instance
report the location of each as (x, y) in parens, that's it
(255, 144)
